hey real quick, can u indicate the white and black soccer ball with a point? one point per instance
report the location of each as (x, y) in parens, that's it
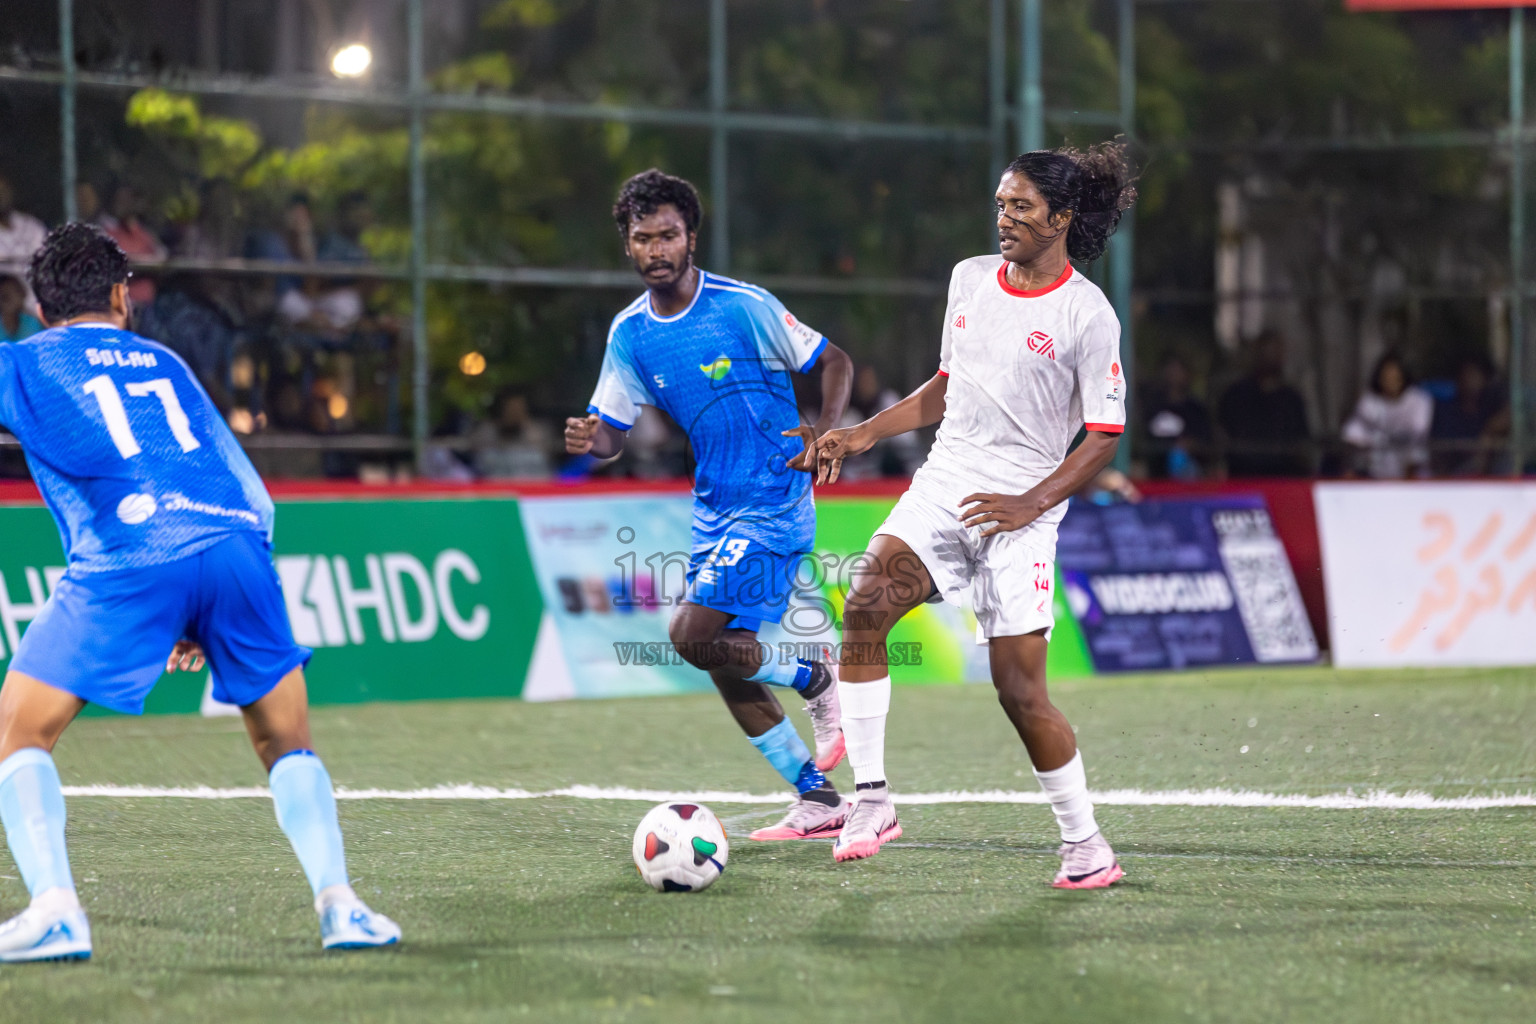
(680, 847)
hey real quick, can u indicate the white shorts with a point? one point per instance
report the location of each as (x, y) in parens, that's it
(1011, 576)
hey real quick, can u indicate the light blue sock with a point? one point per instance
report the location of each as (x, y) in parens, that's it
(32, 807)
(796, 674)
(786, 751)
(306, 811)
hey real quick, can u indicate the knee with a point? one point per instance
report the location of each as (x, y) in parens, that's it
(1023, 698)
(693, 645)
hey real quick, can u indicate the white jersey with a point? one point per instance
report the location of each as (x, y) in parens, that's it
(1026, 370)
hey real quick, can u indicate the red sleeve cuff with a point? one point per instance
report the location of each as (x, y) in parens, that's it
(1106, 428)
(943, 373)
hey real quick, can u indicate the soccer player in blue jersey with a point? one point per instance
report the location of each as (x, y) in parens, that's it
(167, 528)
(716, 354)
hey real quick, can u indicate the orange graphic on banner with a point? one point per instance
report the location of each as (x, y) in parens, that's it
(1445, 592)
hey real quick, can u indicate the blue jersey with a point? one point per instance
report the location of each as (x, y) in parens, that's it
(134, 461)
(720, 369)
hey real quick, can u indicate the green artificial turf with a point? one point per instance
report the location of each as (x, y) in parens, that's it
(531, 910)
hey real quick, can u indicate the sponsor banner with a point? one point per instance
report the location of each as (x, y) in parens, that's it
(611, 570)
(1181, 583)
(1429, 573)
(401, 599)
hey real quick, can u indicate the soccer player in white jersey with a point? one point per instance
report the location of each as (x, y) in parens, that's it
(1030, 354)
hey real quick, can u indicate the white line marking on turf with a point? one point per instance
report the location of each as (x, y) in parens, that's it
(1347, 801)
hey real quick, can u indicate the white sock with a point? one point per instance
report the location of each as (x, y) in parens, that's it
(865, 706)
(1067, 790)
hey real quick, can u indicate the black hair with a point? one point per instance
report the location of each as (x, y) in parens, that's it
(1095, 184)
(74, 272)
(650, 190)
(1386, 360)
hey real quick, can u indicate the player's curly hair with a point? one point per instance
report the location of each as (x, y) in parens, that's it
(1096, 185)
(73, 273)
(649, 190)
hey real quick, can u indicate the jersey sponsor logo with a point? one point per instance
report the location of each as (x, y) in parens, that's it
(661, 381)
(115, 357)
(1040, 342)
(1114, 369)
(960, 322)
(717, 369)
(408, 601)
(136, 508)
(789, 318)
(182, 503)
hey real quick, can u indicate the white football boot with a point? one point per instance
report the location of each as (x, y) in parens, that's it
(346, 922)
(871, 824)
(807, 819)
(1090, 864)
(826, 713)
(54, 927)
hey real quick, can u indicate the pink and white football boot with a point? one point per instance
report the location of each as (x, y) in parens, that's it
(1090, 864)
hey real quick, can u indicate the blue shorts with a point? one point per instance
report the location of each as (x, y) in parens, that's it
(740, 576)
(105, 637)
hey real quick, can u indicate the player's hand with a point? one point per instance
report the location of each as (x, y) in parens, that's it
(580, 434)
(185, 656)
(1004, 511)
(807, 434)
(836, 445)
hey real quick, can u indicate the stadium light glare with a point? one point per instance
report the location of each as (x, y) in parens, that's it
(351, 61)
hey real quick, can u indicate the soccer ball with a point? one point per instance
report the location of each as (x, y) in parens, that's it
(680, 847)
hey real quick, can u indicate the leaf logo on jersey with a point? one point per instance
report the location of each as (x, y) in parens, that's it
(717, 369)
(1039, 341)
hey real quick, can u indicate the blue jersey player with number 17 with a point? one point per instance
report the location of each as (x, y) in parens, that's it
(167, 530)
(716, 354)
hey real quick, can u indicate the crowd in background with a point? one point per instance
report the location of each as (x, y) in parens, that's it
(1399, 428)
(288, 351)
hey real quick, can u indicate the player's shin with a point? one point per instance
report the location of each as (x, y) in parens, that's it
(1067, 790)
(790, 757)
(865, 706)
(809, 678)
(32, 808)
(306, 812)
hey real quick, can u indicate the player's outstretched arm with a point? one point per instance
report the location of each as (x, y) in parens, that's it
(836, 386)
(1016, 511)
(922, 408)
(589, 435)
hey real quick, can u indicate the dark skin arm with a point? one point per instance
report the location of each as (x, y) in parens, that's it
(586, 435)
(836, 386)
(1016, 511)
(923, 407)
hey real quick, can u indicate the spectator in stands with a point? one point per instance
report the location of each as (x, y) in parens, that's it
(1177, 423)
(1468, 421)
(216, 233)
(21, 235)
(512, 445)
(1390, 425)
(15, 322)
(123, 220)
(1264, 418)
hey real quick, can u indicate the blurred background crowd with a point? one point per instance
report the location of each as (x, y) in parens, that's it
(1320, 283)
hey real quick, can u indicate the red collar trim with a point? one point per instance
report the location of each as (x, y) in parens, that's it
(1034, 293)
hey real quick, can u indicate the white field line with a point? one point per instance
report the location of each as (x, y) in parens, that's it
(1347, 801)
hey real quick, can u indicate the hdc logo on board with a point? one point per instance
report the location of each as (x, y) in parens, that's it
(404, 599)
(397, 598)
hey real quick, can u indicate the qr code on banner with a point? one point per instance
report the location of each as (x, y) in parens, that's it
(1267, 600)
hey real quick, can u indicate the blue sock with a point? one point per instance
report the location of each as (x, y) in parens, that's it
(306, 811)
(784, 749)
(32, 807)
(796, 674)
